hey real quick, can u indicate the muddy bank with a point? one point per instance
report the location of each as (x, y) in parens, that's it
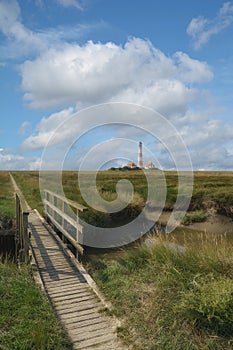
(215, 227)
(215, 223)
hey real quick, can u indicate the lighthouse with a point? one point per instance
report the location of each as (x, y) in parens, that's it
(140, 164)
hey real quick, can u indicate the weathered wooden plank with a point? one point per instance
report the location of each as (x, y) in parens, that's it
(70, 300)
(75, 305)
(49, 271)
(69, 281)
(66, 274)
(81, 344)
(69, 288)
(51, 260)
(80, 314)
(63, 274)
(58, 280)
(78, 322)
(44, 245)
(110, 345)
(86, 333)
(64, 289)
(51, 265)
(78, 307)
(50, 255)
(73, 295)
(52, 250)
(87, 327)
(94, 328)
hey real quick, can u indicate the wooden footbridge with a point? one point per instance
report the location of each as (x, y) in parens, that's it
(75, 298)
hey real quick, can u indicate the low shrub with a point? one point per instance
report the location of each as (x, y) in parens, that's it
(194, 216)
(210, 304)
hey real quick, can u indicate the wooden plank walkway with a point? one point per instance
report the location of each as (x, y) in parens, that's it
(70, 290)
(74, 301)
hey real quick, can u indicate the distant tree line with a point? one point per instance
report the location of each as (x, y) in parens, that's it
(125, 168)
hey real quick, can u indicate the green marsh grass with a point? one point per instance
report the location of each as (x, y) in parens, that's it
(160, 295)
(28, 182)
(211, 189)
(7, 202)
(27, 321)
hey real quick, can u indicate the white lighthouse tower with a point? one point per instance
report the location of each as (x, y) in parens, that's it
(140, 164)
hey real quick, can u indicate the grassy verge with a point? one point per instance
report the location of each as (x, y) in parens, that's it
(27, 321)
(7, 202)
(170, 299)
(28, 181)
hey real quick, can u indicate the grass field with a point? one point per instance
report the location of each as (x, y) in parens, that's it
(27, 321)
(170, 299)
(212, 192)
(167, 298)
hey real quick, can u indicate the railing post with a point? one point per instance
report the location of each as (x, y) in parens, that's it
(55, 204)
(22, 237)
(64, 211)
(17, 236)
(79, 238)
(79, 234)
(25, 237)
(46, 195)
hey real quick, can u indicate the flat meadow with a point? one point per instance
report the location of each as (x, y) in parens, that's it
(212, 191)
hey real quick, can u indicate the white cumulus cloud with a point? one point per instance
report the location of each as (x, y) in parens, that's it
(46, 128)
(96, 73)
(191, 70)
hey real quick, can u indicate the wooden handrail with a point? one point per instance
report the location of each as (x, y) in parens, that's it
(68, 201)
(22, 234)
(61, 219)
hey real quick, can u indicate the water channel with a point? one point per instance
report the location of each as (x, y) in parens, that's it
(216, 228)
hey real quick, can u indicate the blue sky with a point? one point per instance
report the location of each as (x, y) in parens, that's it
(60, 56)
